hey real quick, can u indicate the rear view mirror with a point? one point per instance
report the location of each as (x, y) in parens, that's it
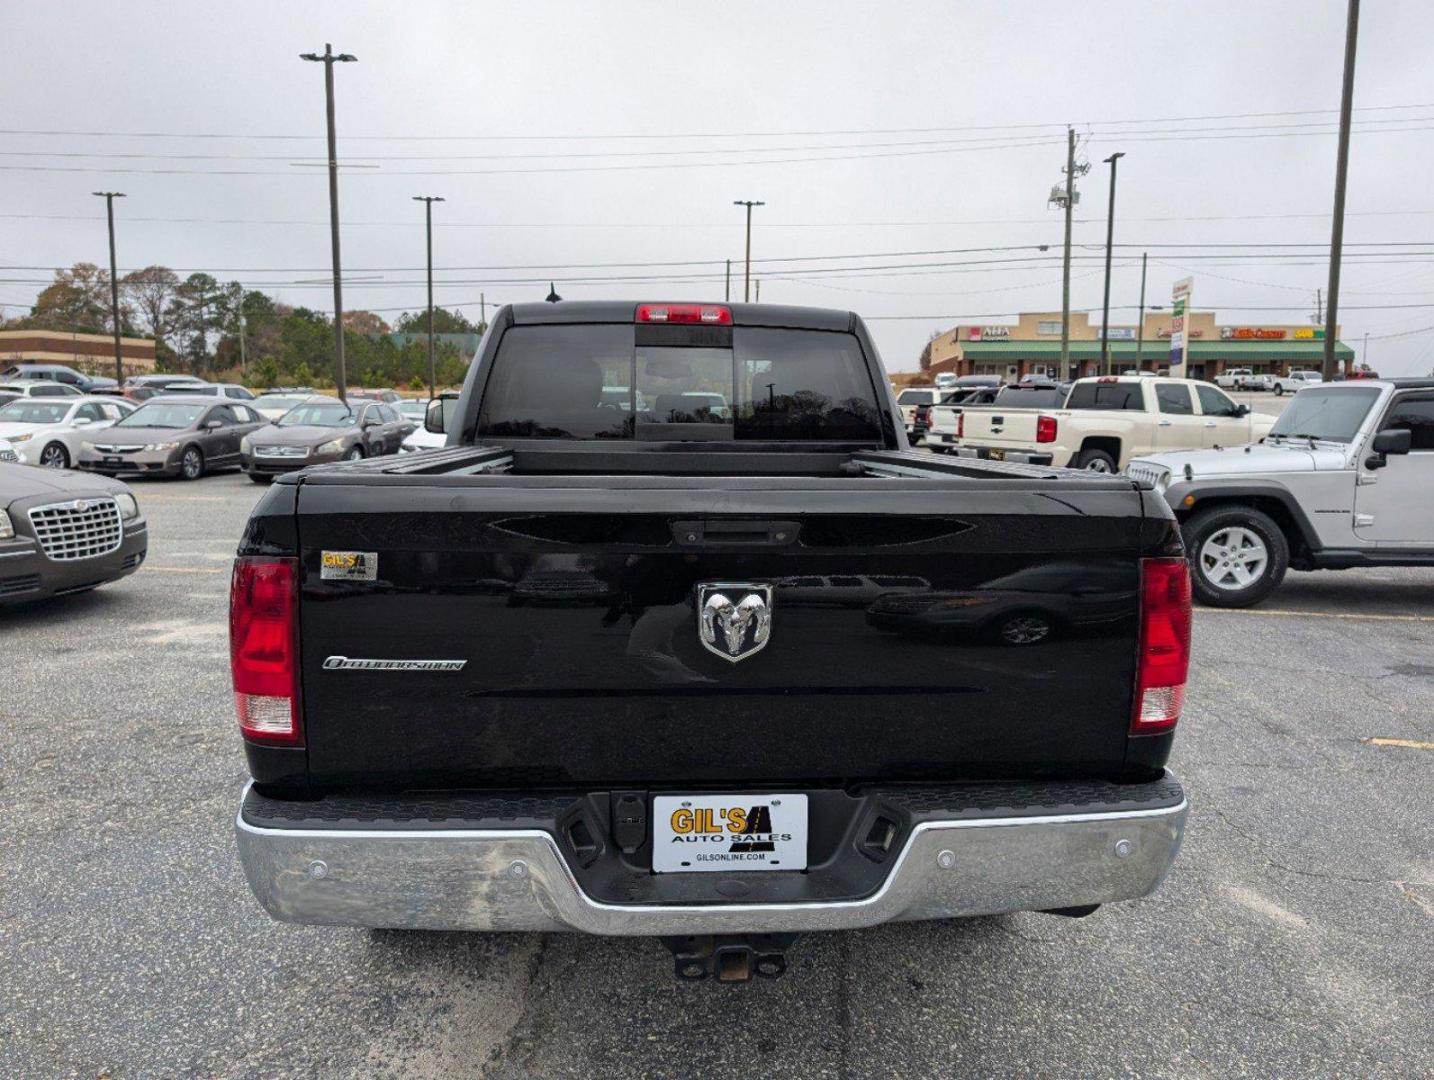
(81, 421)
(1242, 410)
(1388, 441)
(210, 425)
(1393, 441)
(433, 417)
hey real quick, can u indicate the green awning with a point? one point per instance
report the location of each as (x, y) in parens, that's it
(1200, 351)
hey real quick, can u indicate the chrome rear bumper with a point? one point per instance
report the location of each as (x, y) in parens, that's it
(518, 879)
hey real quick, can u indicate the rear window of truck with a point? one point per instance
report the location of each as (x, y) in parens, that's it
(679, 383)
(1029, 397)
(1117, 395)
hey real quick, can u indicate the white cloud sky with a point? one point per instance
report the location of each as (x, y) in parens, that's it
(973, 95)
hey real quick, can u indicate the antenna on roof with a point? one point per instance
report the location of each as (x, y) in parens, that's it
(552, 296)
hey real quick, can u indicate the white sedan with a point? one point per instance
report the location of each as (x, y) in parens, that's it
(46, 431)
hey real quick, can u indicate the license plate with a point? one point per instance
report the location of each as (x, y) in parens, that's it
(695, 833)
(996, 455)
(114, 461)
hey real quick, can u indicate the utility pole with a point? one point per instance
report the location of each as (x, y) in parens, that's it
(428, 201)
(758, 297)
(1341, 169)
(747, 276)
(1069, 201)
(727, 289)
(329, 60)
(1112, 161)
(483, 311)
(1140, 326)
(109, 198)
(243, 352)
(1364, 352)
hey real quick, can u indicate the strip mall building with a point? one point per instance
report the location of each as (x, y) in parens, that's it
(1032, 346)
(94, 354)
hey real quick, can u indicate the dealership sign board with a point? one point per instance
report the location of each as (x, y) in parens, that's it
(1179, 322)
(988, 333)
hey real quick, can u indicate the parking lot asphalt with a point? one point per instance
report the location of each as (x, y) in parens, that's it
(1293, 937)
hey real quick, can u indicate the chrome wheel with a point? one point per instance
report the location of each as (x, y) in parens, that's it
(192, 464)
(1025, 630)
(54, 457)
(1233, 558)
(1099, 464)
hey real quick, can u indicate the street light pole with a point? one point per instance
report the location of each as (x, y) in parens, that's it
(1140, 326)
(329, 59)
(109, 198)
(428, 201)
(747, 275)
(1341, 169)
(1112, 161)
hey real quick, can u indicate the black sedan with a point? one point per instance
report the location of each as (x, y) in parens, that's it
(64, 532)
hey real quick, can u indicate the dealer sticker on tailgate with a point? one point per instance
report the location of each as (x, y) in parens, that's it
(729, 832)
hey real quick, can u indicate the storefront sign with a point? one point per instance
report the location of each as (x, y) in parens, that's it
(1192, 334)
(1250, 333)
(1308, 333)
(1119, 333)
(988, 333)
(1180, 314)
(1049, 327)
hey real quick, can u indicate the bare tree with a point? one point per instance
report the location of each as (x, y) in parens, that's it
(151, 290)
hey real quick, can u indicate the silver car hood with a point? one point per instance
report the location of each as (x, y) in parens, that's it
(1257, 458)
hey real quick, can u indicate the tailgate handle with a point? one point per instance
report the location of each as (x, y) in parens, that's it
(735, 533)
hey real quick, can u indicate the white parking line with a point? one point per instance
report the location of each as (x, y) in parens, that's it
(1285, 613)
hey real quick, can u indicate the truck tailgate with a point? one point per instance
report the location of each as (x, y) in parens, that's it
(995, 426)
(934, 634)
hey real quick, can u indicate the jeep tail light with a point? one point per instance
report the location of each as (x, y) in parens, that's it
(1164, 659)
(263, 649)
(1045, 429)
(704, 314)
(960, 425)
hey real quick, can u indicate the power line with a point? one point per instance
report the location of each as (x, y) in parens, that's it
(1058, 127)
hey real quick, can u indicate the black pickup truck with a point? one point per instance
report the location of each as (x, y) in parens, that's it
(678, 637)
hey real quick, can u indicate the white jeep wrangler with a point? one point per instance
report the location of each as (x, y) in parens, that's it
(1344, 478)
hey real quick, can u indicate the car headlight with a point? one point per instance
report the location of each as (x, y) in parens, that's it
(245, 445)
(162, 446)
(128, 506)
(7, 531)
(87, 446)
(333, 446)
(21, 438)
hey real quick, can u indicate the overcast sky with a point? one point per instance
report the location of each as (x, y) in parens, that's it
(942, 126)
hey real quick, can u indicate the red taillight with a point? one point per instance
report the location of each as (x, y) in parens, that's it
(705, 314)
(923, 416)
(960, 425)
(1164, 659)
(1045, 429)
(263, 649)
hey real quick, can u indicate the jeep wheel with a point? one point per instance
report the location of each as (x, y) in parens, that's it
(1095, 461)
(1237, 555)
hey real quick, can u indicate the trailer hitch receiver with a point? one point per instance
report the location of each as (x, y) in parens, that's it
(730, 958)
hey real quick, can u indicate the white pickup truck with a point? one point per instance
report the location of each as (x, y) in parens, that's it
(944, 420)
(1107, 420)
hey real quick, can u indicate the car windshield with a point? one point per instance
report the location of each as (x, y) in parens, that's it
(29, 411)
(1331, 414)
(415, 410)
(169, 414)
(275, 401)
(318, 415)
